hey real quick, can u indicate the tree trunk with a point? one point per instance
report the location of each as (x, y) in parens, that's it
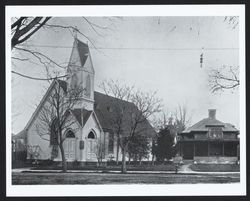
(153, 159)
(124, 169)
(64, 163)
(117, 151)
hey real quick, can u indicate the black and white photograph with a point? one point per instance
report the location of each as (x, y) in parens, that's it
(145, 98)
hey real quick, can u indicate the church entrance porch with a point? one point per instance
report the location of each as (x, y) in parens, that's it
(70, 146)
(91, 147)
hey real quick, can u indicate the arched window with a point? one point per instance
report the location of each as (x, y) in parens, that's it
(70, 134)
(91, 135)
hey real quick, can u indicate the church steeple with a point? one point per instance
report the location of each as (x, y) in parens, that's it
(80, 70)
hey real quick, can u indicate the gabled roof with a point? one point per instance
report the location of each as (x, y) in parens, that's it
(204, 125)
(81, 115)
(20, 135)
(83, 50)
(103, 108)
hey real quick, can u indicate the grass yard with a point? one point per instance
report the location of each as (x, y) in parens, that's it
(113, 178)
(215, 167)
(163, 167)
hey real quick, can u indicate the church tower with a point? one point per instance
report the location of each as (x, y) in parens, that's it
(80, 72)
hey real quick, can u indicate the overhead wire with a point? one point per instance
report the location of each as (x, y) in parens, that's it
(139, 48)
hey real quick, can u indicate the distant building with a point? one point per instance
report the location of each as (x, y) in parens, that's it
(18, 142)
(210, 141)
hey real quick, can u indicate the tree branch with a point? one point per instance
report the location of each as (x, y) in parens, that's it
(36, 78)
(34, 31)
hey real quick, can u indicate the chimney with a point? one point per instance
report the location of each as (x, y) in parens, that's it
(212, 113)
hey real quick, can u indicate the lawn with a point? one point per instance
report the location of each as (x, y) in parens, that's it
(117, 178)
(215, 167)
(162, 167)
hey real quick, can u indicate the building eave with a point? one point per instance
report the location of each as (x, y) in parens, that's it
(35, 113)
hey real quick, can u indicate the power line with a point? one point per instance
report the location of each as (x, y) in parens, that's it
(139, 48)
(37, 78)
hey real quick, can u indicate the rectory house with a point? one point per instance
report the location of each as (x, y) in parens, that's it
(210, 141)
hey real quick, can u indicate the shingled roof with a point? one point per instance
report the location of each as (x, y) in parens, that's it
(104, 106)
(83, 51)
(204, 125)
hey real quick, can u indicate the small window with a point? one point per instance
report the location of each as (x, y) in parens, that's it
(91, 135)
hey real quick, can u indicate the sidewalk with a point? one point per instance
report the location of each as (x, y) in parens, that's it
(184, 170)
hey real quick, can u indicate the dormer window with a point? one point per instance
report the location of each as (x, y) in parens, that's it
(215, 132)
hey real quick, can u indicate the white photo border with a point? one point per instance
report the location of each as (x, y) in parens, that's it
(128, 190)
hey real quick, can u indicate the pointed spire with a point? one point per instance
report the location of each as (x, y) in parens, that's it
(75, 30)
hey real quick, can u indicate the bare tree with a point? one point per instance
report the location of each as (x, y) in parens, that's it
(100, 150)
(23, 28)
(120, 92)
(54, 116)
(130, 120)
(161, 119)
(181, 118)
(224, 78)
(232, 21)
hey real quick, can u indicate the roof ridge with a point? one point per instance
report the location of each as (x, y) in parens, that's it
(202, 125)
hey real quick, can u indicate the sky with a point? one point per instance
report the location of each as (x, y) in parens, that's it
(152, 53)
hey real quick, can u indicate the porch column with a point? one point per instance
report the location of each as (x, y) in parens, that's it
(181, 149)
(223, 151)
(194, 149)
(208, 149)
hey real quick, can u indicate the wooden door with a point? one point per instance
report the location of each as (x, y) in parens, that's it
(70, 149)
(91, 150)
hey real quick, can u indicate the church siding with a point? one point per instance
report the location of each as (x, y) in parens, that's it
(33, 139)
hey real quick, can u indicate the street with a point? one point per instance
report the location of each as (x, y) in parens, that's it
(118, 178)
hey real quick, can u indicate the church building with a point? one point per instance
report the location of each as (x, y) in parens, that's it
(210, 141)
(91, 117)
